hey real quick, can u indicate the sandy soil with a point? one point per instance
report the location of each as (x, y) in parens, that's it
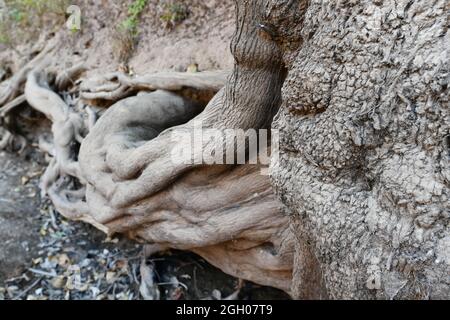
(19, 203)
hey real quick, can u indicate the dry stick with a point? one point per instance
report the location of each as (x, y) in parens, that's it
(197, 292)
(42, 272)
(53, 219)
(173, 283)
(15, 87)
(24, 292)
(66, 125)
(12, 105)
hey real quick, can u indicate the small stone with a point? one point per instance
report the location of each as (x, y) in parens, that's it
(110, 277)
(24, 180)
(58, 282)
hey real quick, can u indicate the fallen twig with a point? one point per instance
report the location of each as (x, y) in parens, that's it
(24, 292)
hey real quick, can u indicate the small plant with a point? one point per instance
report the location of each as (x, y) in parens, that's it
(127, 31)
(4, 35)
(131, 23)
(174, 13)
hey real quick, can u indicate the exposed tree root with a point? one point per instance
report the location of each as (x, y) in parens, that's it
(10, 106)
(126, 177)
(116, 86)
(12, 94)
(126, 180)
(14, 87)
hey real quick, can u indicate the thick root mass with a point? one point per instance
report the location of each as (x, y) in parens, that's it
(119, 173)
(124, 180)
(227, 214)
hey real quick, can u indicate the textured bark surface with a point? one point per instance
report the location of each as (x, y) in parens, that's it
(364, 165)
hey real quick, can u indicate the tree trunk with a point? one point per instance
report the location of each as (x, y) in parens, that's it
(364, 161)
(228, 214)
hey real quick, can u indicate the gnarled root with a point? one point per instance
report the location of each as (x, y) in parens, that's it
(127, 182)
(14, 87)
(227, 214)
(10, 138)
(67, 128)
(116, 86)
(129, 177)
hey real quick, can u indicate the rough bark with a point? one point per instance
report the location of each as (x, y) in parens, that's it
(364, 164)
